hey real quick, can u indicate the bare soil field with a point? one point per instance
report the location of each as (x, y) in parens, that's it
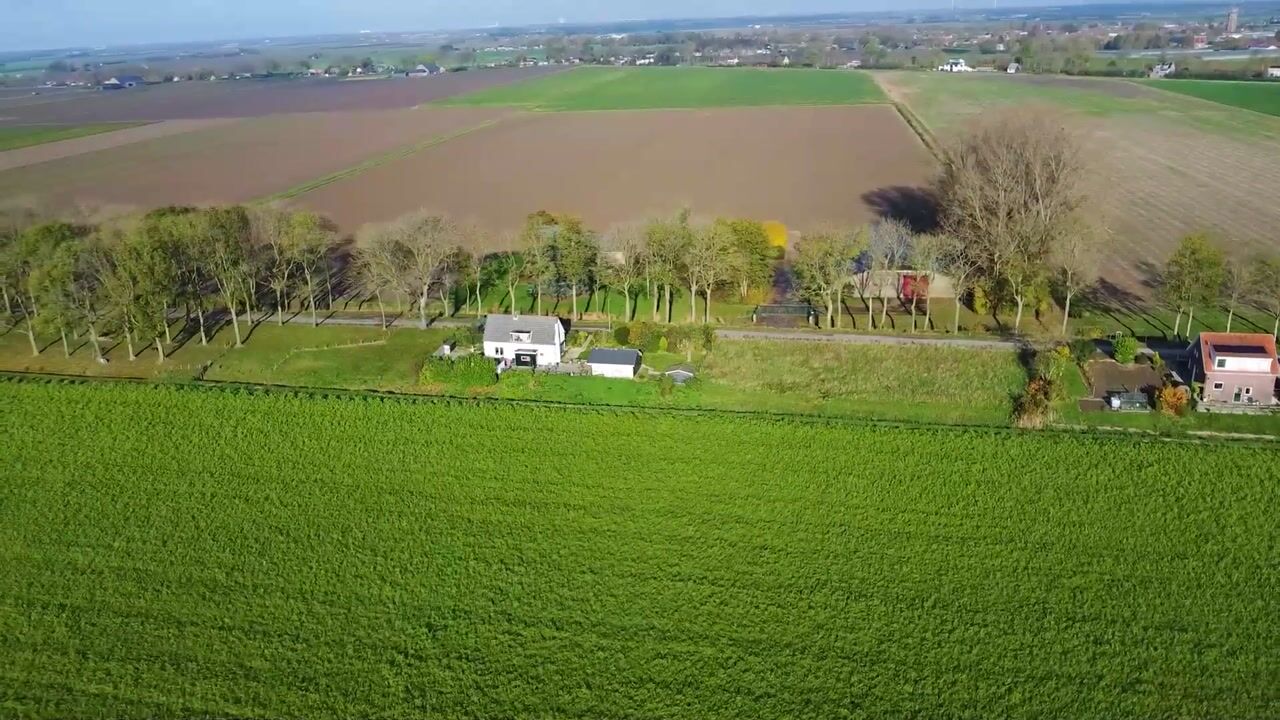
(236, 161)
(253, 98)
(36, 154)
(1163, 166)
(805, 167)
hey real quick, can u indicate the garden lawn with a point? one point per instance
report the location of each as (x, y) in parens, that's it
(597, 88)
(14, 137)
(1263, 97)
(192, 552)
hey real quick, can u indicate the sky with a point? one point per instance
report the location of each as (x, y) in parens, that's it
(36, 24)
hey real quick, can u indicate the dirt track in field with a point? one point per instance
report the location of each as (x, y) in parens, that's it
(252, 98)
(806, 167)
(234, 161)
(36, 154)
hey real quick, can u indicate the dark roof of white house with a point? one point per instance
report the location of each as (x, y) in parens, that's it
(614, 356)
(542, 330)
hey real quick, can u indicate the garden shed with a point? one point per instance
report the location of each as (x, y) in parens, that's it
(614, 362)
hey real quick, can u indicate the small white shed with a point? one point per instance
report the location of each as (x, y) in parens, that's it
(614, 363)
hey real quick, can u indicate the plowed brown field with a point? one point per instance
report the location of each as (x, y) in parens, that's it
(233, 162)
(251, 98)
(805, 167)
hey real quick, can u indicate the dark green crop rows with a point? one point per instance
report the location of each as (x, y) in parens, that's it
(179, 552)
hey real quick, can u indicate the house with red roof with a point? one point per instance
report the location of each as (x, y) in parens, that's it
(1237, 369)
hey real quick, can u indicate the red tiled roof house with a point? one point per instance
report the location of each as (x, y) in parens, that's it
(1236, 368)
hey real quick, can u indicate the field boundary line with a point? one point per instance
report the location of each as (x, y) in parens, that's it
(919, 127)
(373, 163)
(369, 395)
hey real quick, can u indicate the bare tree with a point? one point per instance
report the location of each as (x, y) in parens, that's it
(889, 248)
(707, 260)
(427, 241)
(622, 259)
(271, 234)
(1237, 285)
(823, 266)
(1075, 257)
(1267, 288)
(926, 260)
(961, 264)
(379, 264)
(1011, 189)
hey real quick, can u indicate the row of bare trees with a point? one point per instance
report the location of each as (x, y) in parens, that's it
(423, 254)
(130, 276)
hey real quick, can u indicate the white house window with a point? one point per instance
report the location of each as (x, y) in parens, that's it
(521, 336)
(1222, 363)
(1216, 386)
(499, 351)
(1248, 392)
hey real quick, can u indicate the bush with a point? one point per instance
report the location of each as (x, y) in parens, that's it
(666, 385)
(645, 336)
(1172, 400)
(1052, 366)
(708, 338)
(978, 301)
(469, 370)
(677, 337)
(622, 335)
(662, 344)
(1034, 408)
(1125, 349)
(1082, 351)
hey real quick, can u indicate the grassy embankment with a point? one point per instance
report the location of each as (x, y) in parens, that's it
(14, 137)
(595, 88)
(174, 552)
(892, 383)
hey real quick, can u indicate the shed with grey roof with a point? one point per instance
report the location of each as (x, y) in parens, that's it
(614, 362)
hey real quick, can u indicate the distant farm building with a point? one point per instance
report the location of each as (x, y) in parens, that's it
(1164, 69)
(425, 70)
(124, 82)
(1013, 68)
(1273, 71)
(955, 65)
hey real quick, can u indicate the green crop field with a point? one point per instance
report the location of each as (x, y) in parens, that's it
(597, 88)
(12, 138)
(1263, 97)
(188, 552)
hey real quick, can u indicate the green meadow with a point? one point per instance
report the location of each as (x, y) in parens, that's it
(193, 552)
(601, 88)
(1263, 97)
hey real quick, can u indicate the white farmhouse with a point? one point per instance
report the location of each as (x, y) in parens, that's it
(524, 341)
(614, 362)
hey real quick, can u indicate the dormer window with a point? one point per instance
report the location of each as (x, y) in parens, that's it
(521, 336)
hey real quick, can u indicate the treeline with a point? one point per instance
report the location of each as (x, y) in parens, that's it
(131, 277)
(422, 253)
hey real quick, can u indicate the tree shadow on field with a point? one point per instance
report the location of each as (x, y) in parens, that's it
(915, 206)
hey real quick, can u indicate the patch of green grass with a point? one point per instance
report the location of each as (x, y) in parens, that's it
(12, 138)
(595, 88)
(1263, 97)
(946, 101)
(185, 552)
(336, 356)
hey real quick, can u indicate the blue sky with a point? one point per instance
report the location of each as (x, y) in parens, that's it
(30, 24)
